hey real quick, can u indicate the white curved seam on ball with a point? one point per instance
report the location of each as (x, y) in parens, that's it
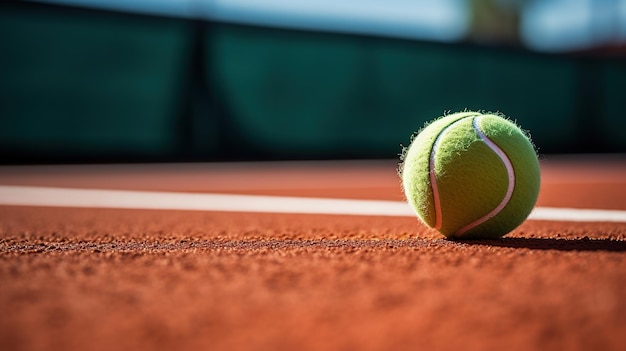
(433, 176)
(433, 184)
(511, 179)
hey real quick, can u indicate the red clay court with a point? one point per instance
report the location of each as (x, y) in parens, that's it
(107, 278)
(222, 175)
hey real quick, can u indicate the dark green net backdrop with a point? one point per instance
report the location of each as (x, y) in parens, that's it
(89, 86)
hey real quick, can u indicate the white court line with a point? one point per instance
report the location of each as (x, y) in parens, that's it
(96, 198)
(66, 197)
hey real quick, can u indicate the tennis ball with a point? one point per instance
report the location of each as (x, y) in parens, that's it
(471, 175)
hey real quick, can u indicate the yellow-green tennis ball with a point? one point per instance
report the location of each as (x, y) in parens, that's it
(471, 175)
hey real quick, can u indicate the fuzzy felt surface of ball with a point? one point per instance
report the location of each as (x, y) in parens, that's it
(471, 175)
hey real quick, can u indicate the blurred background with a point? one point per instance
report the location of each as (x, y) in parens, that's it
(231, 80)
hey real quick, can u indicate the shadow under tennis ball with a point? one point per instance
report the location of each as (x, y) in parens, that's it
(579, 244)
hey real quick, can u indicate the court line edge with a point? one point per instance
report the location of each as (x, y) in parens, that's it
(127, 199)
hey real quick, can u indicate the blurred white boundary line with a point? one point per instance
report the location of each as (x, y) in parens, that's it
(66, 197)
(97, 198)
(577, 215)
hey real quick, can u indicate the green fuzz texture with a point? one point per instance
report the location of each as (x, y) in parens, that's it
(471, 178)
